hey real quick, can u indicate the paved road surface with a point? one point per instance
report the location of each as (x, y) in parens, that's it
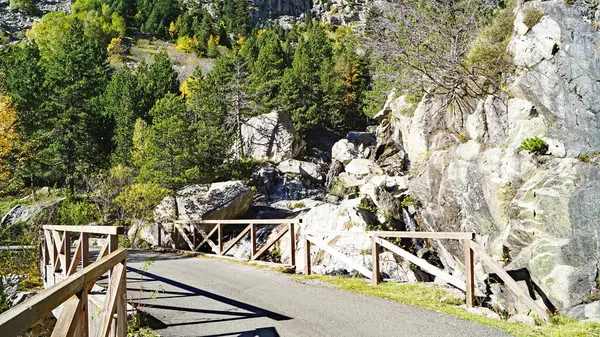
(210, 297)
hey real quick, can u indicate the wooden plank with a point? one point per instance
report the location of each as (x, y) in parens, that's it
(207, 239)
(44, 258)
(102, 230)
(253, 240)
(469, 273)
(337, 233)
(113, 243)
(433, 270)
(51, 247)
(352, 264)
(67, 253)
(83, 324)
(240, 222)
(292, 245)
(85, 249)
(103, 253)
(122, 305)
(269, 244)
(20, 317)
(307, 261)
(76, 257)
(110, 304)
(194, 238)
(375, 252)
(220, 238)
(58, 246)
(185, 237)
(237, 239)
(424, 235)
(70, 316)
(509, 281)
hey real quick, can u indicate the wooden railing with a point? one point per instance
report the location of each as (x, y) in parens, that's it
(193, 228)
(57, 262)
(68, 286)
(72, 293)
(469, 246)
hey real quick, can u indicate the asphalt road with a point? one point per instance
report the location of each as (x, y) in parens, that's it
(210, 297)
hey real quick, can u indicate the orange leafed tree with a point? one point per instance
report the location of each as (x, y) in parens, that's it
(13, 149)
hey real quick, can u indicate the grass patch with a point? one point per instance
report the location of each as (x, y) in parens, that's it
(532, 17)
(436, 298)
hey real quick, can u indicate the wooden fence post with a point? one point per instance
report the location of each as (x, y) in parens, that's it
(375, 252)
(470, 284)
(194, 239)
(220, 238)
(122, 304)
(307, 255)
(158, 235)
(253, 240)
(85, 250)
(67, 251)
(292, 245)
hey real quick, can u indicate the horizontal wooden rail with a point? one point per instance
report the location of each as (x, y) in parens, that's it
(102, 230)
(509, 281)
(21, 317)
(324, 246)
(425, 235)
(241, 221)
(401, 234)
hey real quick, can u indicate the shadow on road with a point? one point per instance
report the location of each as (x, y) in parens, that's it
(262, 332)
(190, 291)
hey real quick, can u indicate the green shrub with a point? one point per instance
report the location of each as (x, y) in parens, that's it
(78, 213)
(532, 17)
(408, 200)
(139, 200)
(4, 38)
(535, 145)
(338, 189)
(489, 55)
(26, 6)
(295, 205)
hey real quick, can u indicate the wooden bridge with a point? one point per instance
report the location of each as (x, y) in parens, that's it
(83, 308)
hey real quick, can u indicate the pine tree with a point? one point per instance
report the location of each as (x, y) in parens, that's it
(156, 81)
(23, 75)
(169, 151)
(76, 74)
(121, 102)
(310, 91)
(268, 70)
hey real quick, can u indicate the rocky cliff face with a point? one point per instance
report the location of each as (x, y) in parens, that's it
(536, 213)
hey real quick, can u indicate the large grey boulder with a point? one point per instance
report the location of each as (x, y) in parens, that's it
(224, 200)
(268, 137)
(26, 213)
(363, 167)
(302, 168)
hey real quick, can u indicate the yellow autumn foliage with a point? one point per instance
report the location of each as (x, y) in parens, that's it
(12, 148)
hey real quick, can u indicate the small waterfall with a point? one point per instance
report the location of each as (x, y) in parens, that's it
(396, 133)
(411, 225)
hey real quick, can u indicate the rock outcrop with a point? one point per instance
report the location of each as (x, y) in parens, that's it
(224, 200)
(268, 137)
(535, 213)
